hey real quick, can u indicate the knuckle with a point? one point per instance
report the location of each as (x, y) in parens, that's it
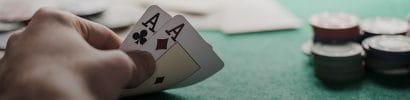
(13, 39)
(14, 36)
(46, 14)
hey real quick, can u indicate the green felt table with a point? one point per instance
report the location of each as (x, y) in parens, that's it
(270, 65)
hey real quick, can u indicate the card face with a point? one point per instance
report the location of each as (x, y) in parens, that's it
(182, 58)
(164, 38)
(164, 49)
(152, 20)
(173, 67)
(198, 49)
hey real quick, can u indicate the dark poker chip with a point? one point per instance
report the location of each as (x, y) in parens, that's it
(385, 65)
(392, 79)
(338, 63)
(335, 77)
(390, 47)
(401, 71)
(387, 54)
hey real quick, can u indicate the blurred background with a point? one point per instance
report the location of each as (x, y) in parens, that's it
(259, 41)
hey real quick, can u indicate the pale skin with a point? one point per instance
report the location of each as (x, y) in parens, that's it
(63, 57)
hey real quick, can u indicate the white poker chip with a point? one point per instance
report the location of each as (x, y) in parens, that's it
(391, 43)
(21, 10)
(6, 26)
(84, 7)
(330, 20)
(337, 50)
(306, 47)
(118, 15)
(366, 42)
(384, 25)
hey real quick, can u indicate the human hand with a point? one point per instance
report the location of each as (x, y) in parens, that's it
(62, 56)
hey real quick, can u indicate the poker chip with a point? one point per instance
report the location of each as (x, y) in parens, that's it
(366, 42)
(335, 27)
(396, 78)
(337, 20)
(402, 71)
(390, 46)
(384, 26)
(336, 50)
(340, 77)
(388, 53)
(338, 63)
(306, 47)
(337, 56)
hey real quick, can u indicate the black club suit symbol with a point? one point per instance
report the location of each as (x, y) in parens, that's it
(140, 37)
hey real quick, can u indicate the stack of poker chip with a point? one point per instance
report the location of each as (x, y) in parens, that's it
(388, 54)
(338, 63)
(335, 27)
(335, 51)
(337, 56)
(383, 26)
(386, 46)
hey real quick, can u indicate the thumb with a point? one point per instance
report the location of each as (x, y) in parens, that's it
(145, 67)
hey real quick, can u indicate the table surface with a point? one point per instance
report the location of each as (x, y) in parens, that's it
(270, 65)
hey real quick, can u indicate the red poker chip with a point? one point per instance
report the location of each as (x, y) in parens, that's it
(334, 33)
(335, 25)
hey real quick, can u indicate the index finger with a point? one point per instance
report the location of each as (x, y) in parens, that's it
(98, 35)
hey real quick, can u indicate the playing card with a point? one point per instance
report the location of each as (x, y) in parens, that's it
(255, 16)
(173, 64)
(198, 49)
(173, 67)
(183, 58)
(147, 26)
(164, 38)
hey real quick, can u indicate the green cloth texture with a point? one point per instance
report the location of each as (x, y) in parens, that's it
(271, 66)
